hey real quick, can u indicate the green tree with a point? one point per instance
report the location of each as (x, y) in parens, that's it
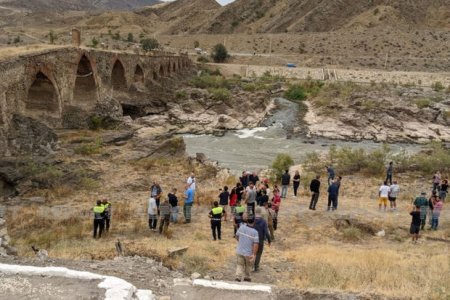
(196, 44)
(94, 42)
(219, 53)
(130, 38)
(149, 44)
(17, 40)
(52, 37)
(281, 163)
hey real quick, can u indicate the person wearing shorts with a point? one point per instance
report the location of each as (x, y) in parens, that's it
(383, 194)
(394, 190)
(415, 223)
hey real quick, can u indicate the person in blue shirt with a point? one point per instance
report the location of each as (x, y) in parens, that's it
(188, 202)
(331, 174)
(333, 191)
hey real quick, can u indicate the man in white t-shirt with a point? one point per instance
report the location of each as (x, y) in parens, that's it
(393, 194)
(191, 181)
(383, 194)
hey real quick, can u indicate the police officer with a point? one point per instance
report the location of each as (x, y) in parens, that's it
(99, 222)
(107, 218)
(216, 215)
(238, 215)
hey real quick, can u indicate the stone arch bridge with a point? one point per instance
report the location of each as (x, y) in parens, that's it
(50, 86)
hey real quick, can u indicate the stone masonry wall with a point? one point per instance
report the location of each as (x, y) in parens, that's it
(57, 68)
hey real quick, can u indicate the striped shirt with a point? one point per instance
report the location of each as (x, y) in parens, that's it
(247, 237)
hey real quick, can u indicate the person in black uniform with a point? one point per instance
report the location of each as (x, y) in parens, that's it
(216, 215)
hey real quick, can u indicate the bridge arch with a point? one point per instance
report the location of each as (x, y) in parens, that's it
(85, 88)
(118, 79)
(138, 74)
(42, 96)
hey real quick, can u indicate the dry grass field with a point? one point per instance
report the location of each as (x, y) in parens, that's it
(311, 252)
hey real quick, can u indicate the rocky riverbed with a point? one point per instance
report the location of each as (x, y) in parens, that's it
(387, 114)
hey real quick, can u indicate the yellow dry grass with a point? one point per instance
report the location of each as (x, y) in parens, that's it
(309, 250)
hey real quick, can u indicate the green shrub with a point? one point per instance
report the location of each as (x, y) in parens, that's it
(89, 148)
(281, 163)
(209, 81)
(295, 92)
(181, 94)
(423, 103)
(437, 86)
(249, 87)
(220, 94)
(149, 44)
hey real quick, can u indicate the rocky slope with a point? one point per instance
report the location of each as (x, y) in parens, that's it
(79, 5)
(323, 15)
(385, 115)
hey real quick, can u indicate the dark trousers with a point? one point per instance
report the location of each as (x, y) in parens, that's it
(314, 199)
(98, 225)
(164, 224)
(275, 222)
(251, 209)
(107, 221)
(389, 178)
(332, 201)
(296, 185)
(258, 255)
(216, 226)
(152, 221)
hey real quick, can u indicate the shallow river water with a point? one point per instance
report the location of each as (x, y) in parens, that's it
(256, 148)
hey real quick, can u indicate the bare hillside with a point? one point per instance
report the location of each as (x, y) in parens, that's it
(183, 15)
(78, 5)
(322, 15)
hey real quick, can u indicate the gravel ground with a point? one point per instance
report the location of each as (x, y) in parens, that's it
(47, 288)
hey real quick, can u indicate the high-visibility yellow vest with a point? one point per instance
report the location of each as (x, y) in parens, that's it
(99, 209)
(217, 210)
(240, 209)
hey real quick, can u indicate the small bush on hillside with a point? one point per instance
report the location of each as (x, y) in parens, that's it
(149, 44)
(220, 94)
(437, 86)
(89, 148)
(423, 102)
(209, 81)
(180, 94)
(219, 53)
(295, 92)
(281, 163)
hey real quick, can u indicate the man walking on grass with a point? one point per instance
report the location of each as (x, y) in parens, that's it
(188, 202)
(248, 240)
(314, 187)
(285, 180)
(263, 235)
(423, 204)
(164, 221)
(394, 190)
(415, 223)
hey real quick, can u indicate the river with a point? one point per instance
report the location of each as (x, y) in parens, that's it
(256, 148)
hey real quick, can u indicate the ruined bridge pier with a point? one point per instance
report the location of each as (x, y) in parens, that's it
(53, 86)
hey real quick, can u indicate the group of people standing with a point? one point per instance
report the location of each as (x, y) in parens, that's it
(102, 217)
(167, 211)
